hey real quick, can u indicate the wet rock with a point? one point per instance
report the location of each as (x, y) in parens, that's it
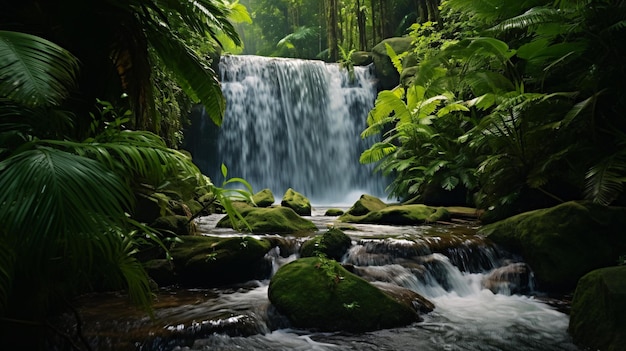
(331, 212)
(563, 243)
(271, 220)
(406, 297)
(320, 294)
(598, 314)
(211, 261)
(332, 244)
(297, 202)
(512, 279)
(264, 198)
(366, 204)
(399, 215)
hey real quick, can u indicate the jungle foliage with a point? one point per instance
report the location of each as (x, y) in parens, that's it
(524, 112)
(82, 88)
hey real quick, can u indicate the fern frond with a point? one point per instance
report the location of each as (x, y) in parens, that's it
(376, 152)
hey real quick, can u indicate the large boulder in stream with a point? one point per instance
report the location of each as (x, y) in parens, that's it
(272, 220)
(210, 260)
(598, 314)
(297, 202)
(399, 215)
(318, 293)
(563, 243)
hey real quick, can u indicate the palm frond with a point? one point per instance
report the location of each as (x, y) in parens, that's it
(50, 195)
(534, 16)
(376, 152)
(34, 71)
(604, 181)
(196, 79)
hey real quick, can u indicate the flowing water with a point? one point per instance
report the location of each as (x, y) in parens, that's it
(291, 124)
(448, 264)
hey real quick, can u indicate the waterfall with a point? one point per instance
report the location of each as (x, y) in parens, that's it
(295, 124)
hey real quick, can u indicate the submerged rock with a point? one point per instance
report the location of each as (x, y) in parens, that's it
(331, 212)
(320, 294)
(563, 243)
(269, 220)
(598, 314)
(296, 201)
(511, 279)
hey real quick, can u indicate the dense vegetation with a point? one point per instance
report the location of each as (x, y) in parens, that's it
(513, 105)
(85, 90)
(520, 109)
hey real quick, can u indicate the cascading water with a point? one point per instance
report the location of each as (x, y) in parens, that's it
(484, 300)
(295, 124)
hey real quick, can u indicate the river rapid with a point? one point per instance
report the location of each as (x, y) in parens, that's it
(467, 315)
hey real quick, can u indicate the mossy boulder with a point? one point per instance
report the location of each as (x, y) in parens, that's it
(332, 212)
(598, 314)
(320, 294)
(361, 58)
(563, 243)
(332, 243)
(296, 202)
(176, 225)
(264, 198)
(211, 260)
(274, 220)
(386, 73)
(400, 215)
(366, 204)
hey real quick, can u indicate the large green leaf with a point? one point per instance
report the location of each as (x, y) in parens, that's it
(34, 71)
(49, 195)
(198, 80)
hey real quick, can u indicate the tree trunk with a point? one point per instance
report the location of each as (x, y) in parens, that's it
(331, 27)
(361, 18)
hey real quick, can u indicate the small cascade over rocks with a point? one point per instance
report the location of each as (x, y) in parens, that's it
(294, 124)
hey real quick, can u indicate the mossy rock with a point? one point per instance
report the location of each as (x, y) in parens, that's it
(177, 225)
(264, 198)
(161, 271)
(563, 243)
(366, 204)
(332, 243)
(296, 202)
(332, 212)
(598, 314)
(361, 58)
(386, 73)
(210, 260)
(320, 294)
(274, 220)
(400, 215)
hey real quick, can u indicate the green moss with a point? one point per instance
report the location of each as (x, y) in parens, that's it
(296, 201)
(320, 294)
(563, 243)
(209, 260)
(270, 220)
(400, 215)
(332, 244)
(333, 212)
(598, 315)
(366, 204)
(264, 198)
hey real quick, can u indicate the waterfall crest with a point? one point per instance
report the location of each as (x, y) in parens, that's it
(296, 124)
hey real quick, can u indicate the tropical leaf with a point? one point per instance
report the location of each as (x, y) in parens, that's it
(35, 71)
(198, 80)
(395, 59)
(376, 152)
(604, 181)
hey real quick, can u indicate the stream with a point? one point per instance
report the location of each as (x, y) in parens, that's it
(473, 311)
